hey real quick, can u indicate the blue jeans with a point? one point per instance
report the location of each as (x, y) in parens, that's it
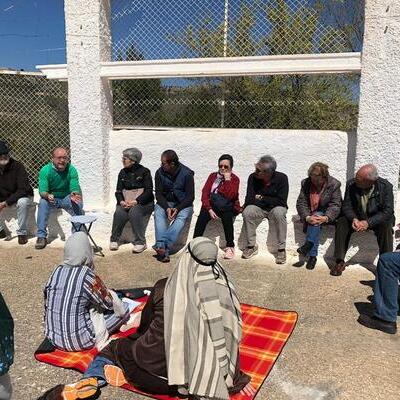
(96, 370)
(386, 290)
(167, 233)
(313, 235)
(45, 208)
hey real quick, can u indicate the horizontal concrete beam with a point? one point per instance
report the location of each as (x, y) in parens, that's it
(305, 64)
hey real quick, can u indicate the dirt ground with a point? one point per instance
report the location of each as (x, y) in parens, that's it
(329, 356)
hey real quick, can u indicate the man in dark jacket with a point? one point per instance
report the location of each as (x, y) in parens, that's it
(267, 193)
(174, 184)
(368, 204)
(14, 190)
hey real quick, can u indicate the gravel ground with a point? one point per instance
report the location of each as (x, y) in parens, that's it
(329, 356)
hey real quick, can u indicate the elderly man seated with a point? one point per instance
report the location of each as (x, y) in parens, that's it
(58, 188)
(266, 197)
(15, 190)
(368, 204)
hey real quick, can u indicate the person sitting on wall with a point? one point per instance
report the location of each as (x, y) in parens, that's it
(368, 204)
(80, 312)
(135, 200)
(220, 199)
(174, 351)
(386, 294)
(15, 190)
(319, 203)
(58, 188)
(267, 193)
(174, 184)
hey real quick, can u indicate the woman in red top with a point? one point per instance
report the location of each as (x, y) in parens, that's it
(220, 199)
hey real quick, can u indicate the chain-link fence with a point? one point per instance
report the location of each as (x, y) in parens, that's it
(275, 102)
(226, 28)
(33, 118)
(168, 29)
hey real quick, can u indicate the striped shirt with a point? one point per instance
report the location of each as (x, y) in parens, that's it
(69, 295)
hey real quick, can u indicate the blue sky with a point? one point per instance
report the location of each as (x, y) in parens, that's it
(31, 33)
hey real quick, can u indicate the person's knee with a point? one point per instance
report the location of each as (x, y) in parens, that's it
(23, 202)
(279, 213)
(251, 212)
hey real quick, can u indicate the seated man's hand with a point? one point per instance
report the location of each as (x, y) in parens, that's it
(259, 197)
(356, 224)
(169, 213)
(174, 213)
(363, 226)
(76, 197)
(50, 198)
(313, 220)
(3, 204)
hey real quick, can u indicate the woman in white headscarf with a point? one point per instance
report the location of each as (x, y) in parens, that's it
(80, 312)
(188, 340)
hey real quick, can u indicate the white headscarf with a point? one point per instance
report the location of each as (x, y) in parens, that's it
(78, 251)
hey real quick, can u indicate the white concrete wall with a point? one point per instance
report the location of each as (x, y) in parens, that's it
(200, 148)
(379, 123)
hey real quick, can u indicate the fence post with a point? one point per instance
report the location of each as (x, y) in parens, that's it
(378, 136)
(88, 37)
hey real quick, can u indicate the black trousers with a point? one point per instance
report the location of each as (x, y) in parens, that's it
(227, 218)
(344, 230)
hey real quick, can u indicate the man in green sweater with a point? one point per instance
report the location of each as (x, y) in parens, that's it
(58, 188)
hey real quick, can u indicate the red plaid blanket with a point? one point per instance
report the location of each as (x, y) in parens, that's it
(265, 333)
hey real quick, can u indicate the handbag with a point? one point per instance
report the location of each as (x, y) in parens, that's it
(220, 203)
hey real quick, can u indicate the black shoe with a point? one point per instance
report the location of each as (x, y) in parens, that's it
(22, 239)
(3, 234)
(41, 243)
(305, 249)
(377, 323)
(311, 262)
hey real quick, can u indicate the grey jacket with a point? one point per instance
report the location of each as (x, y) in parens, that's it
(330, 202)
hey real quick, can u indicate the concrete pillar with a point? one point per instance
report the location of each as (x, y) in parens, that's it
(378, 137)
(88, 39)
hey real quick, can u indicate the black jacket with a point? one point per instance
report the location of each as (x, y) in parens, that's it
(274, 195)
(14, 183)
(330, 200)
(380, 207)
(135, 177)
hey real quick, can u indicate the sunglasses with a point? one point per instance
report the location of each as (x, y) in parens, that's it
(223, 166)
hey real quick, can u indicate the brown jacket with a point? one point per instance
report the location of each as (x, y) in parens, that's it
(330, 202)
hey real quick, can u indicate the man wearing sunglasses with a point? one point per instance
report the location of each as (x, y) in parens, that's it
(267, 193)
(174, 184)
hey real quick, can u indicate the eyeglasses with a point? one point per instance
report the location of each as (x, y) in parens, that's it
(223, 166)
(260, 171)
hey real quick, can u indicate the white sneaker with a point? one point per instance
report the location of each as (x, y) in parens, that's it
(229, 253)
(114, 246)
(138, 248)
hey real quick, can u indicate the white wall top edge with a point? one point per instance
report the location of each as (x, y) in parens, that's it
(237, 66)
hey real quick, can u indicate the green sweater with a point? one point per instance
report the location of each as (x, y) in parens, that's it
(58, 183)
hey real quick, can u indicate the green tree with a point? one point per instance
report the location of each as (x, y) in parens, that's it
(324, 102)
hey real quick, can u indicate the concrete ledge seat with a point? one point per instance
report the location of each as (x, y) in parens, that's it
(363, 246)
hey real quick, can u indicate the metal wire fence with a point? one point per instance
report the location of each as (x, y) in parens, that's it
(33, 118)
(232, 28)
(171, 29)
(277, 102)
